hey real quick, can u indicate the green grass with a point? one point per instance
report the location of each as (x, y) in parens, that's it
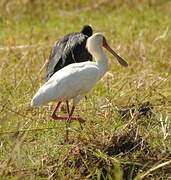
(112, 145)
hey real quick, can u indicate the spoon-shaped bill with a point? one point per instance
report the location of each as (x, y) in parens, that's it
(119, 59)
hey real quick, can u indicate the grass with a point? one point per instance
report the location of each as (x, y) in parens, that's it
(127, 130)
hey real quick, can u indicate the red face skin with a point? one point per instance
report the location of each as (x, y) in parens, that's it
(119, 59)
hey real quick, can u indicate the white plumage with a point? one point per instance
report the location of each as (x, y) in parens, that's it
(75, 80)
(68, 83)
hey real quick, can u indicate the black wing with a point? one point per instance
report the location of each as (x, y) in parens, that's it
(55, 55)
(68, 50)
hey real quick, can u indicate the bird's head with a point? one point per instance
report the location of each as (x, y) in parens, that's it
(87, 30)
(97, 41)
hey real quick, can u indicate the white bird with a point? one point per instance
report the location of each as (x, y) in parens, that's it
(75, 80)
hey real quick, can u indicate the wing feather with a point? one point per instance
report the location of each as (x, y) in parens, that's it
(71, 81)
(68, 50)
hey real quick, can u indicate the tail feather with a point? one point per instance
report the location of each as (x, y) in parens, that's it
(36, 101)
(40, 98)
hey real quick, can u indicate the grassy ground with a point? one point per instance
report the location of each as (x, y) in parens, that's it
(127, 132)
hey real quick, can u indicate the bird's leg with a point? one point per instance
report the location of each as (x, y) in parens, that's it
(54, 116)
(68, 123)
(58, 117)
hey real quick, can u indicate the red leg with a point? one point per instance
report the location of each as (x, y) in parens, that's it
(58, 117)
(56, 108)
(68, 118)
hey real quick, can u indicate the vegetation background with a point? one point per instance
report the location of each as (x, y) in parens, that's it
(128, 114)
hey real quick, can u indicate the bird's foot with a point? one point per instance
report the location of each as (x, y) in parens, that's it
(58, 117)
(55, 117)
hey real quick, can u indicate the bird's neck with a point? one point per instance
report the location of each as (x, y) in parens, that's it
(101, 59)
